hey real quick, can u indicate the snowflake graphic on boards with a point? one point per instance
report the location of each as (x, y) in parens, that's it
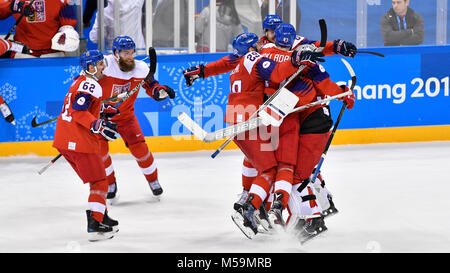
(8, 92)
(73, 71)
(24, 131)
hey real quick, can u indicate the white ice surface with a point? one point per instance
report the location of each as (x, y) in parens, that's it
(391, 197)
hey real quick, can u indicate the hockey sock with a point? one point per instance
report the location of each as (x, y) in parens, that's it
(109, 169)
(283, 181)
(249, 174)
(261, 187)
(145, 160)
(97, 199)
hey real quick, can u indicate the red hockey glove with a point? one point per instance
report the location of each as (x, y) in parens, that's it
(193, 73)
(309, 58)
(17, 6)
(160, 92)
(108, 111)
(350, 99)
(105, 128)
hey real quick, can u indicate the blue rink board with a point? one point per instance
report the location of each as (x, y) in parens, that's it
(409, 87)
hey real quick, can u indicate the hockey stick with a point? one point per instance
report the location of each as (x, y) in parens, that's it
(323, 41)
(122, 97)
(49, 164)
(239, 128)
(17, 22)
(344, 106)
(368, 52)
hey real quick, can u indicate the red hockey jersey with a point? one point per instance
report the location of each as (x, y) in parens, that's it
(116, 82)
(248, 83)
(81, 107)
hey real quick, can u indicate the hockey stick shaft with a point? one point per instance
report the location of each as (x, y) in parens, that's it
(49, 164)
(327, 146)
(17, 22)
(323, 41)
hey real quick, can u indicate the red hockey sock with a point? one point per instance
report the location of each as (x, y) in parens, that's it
(261, 187)
(249, 174)
(283, 181)
(109, 169)
(97, 199)
(145, 160)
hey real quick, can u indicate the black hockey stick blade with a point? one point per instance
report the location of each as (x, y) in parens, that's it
(323, 33)
(34, 124)
(369, 52)
(153, 60)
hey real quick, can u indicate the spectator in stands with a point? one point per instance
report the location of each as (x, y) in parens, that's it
(401, 25)
(130, 22)
(228, 26)
(163, 13)
(282, 9)
(47, 26)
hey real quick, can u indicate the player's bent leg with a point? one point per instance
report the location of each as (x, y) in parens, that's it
(110, 174)
(305, 221)
(282, 191)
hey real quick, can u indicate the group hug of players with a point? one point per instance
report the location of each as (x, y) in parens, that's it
(279, 178)
(272, 179)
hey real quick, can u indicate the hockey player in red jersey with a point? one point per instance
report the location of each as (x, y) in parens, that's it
(47, 28)
(77, 134)
(122, 75)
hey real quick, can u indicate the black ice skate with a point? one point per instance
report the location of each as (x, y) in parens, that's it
(276, 213)
(239, 203)
(245, 219)
(306, 231)
(156, 188)
(97, 231)
(330, 210)
(114, 224)
(113, 197)
(263, 220)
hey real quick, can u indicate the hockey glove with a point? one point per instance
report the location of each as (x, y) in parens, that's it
(350, 99)
(105, 128)
(344, 48)
(160, 92)
(66, 39)
(7, 113)
(108, 111)
(17, 6)
(193, 73)
(309, 58)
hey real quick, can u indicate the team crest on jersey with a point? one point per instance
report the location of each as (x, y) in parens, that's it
(39, 13)
(119, 89)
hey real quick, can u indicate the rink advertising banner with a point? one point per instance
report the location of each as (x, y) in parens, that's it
(402, 97)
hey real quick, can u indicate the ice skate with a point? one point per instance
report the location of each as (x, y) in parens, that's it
(114, 224)
(275, 214)
(97, 231)
(245, 220)
(307, 230)
(263, 220)
(156, 188)
(113, 197)
(239, 203)
(331, 210)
